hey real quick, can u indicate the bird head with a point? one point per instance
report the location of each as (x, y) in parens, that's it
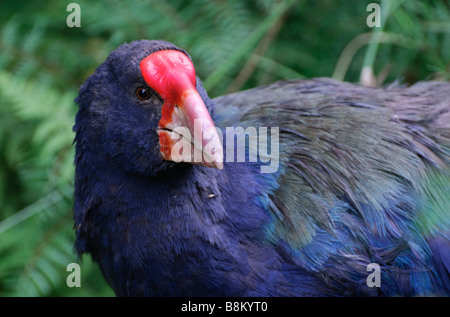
(145, 108)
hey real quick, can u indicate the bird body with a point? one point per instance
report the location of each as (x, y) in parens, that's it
(362, 178)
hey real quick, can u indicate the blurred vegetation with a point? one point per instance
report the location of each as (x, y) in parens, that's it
(235, 45)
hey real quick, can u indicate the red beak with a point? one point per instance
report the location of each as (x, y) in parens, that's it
(186, 131)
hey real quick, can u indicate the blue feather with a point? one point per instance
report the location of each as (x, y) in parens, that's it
(363, 178)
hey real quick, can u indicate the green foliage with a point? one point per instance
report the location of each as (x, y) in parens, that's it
(234, 44)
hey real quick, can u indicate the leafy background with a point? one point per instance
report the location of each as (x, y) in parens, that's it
(235, 45)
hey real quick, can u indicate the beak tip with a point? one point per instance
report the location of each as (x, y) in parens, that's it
(218, 165)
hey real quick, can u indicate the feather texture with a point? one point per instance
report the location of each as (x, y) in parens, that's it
(356, 185)
(363, 178)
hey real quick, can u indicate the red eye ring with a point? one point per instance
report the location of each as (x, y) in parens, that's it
(142, 93)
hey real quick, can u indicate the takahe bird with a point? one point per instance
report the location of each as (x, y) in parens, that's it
(342, 177)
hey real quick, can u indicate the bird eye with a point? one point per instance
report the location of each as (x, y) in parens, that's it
(142, 93)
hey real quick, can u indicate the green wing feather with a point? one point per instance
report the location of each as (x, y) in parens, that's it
(362, 169)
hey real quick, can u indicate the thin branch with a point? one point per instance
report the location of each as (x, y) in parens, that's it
(255, 58)
(42, 204)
